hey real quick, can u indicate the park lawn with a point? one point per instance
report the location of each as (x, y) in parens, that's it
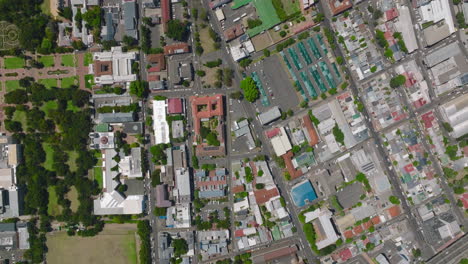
(49, 162)
(239, 3)
(97, 174)
(206, 41)
(89, 81)
(68, 60)
(48, 61)
(12, 85)
(72, 195)
(291, 7)
(53, 208)
(72, 107)
(67, 82)
(14, 63)
(267, 13)
(88, 59)
(117, 242)
(45, 7)
(72, 156)
(47, 106)
(48, 83)
(20, 116)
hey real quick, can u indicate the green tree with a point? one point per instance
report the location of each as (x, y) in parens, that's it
(266, 53)
(139, 88)
(397, 81)
(394, 199)
(180, 247)
(338, 134)
(250, 89)
(177, 30)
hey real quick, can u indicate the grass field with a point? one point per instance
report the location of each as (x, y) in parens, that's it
(239, 3)
(48, 61)
(72, 156)
(116, 243)
(206, 41)
(68, 82)
(291, 7)
(53, 208)
(48, 163)
(89, 81)
(20, 116)
(97, 174)
(72, 107)
(14, 63)
(48, 83)
(72, 195)
(47, 106)
(45, 7)
(12, 85)
(267, 13)
(68, 60)
(88, 59)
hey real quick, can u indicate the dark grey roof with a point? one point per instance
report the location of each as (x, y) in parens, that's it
(110, 30)
(7, 227)
(133, 128)
(115, 118)
(130, 16)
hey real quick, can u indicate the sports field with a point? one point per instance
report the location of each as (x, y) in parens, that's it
(116, 244)
(267, 13)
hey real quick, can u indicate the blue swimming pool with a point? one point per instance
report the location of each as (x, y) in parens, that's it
(303, 193)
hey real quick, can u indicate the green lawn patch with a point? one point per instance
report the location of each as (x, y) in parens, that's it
(67, 82)
(47, 106)
(49, 162)
(48, 61)
(72, 107)
(88, 59)
(267, 13)
(291, 7)
(14, 63)
(53, 207)
(45, 7)
(72, 195)
(72, 156)
(240, 3)
(12, 85)
(68, 60)
(20, 116)
(48, 83)
(89, 81)
(97, 172)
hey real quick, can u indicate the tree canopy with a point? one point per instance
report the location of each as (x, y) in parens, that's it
(250, 89)
(397, 81)
(177, 29)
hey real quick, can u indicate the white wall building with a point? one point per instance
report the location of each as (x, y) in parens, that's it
(113, 66)
(160, 126)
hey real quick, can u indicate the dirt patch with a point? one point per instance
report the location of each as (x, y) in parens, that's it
(262, 41)
(210, 77)
(206, 40)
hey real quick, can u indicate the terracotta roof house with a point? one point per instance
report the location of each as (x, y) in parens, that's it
(262, 196)
(176, 48)
(157, 62)
(314, 139)
(339, 6)
(208, 117)
(233, 32)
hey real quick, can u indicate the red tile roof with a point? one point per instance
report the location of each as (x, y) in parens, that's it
(346, 254)
(367, 225)
(391, 14)
(272, 132)
(348, 234)
(427, 119)
(286, 251)
(239, 233)
(394, 211)
(214, 107)
(464, 200)
(358, 229)
(158, 62)
(238, 189)
(338, 6)
(174, 106)
(176, 48)
(264, 195)
(233, 32)
(166, 13)
(289, 165)
(409, 168)
(375, 220)
(310, 128)
(153, 78)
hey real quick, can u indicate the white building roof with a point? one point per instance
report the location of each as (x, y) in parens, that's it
(121, 66)
(160, 126)
(242, 205)
(437, 10)
(329, 235)
(281, 143)
(220, 14)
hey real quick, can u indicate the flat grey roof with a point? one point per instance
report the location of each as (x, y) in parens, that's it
(442, 54)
